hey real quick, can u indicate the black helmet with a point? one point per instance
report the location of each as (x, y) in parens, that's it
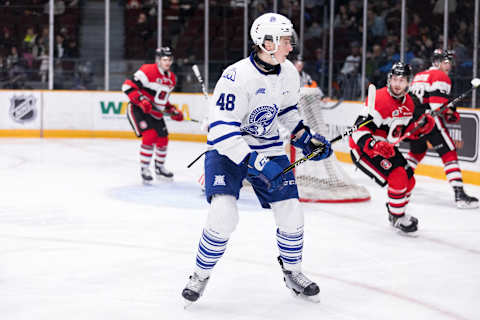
(440, 55)
(163, 52)
(399, 69)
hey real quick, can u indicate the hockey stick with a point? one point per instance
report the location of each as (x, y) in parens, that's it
(197, 74)
(320, 148)
(372, 90)
(418, 124)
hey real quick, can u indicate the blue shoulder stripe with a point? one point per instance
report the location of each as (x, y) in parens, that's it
(224, 137)
(288, 109)
(266, 146)
(230, 123)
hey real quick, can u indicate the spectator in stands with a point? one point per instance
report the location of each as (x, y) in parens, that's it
(352, 62)
(134, 4)
(3, 68)
(142, 28)
(28, 44)
(13, 57)
(321, 69)
(6, 39)
(59, 49)
(350, 77)
(374, 61)
(71, 51)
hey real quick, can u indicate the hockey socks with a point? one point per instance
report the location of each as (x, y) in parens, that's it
(290, 246)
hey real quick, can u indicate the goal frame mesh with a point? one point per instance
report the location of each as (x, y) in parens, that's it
(322, 181)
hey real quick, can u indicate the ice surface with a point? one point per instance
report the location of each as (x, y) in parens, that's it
(82, 238)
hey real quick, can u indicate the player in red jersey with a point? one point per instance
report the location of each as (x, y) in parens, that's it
(430, 89)
(148, 91)
(372, 150)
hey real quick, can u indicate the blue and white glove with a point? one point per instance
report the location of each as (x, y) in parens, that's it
(266, 171)
(308, 142)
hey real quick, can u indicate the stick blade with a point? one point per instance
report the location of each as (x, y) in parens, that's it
(372, 91)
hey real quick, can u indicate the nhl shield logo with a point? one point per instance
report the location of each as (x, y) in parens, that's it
(23, 108)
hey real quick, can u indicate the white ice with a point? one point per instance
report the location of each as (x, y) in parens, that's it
(82, 238)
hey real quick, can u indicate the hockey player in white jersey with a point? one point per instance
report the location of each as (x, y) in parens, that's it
(250, 99)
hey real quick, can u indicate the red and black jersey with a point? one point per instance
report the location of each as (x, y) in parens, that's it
(390, 118)
(431, 87)
(153, 84)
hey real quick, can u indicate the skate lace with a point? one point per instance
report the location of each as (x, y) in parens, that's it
(300, 279)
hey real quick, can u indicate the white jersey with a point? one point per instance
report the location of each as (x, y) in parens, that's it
(247, 105)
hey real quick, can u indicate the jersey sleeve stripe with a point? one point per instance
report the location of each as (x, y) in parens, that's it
(288, 109)
(266, 146)
(263, 138)
(224, 137)
(229, 123)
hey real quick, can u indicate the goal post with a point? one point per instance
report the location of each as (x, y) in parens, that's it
(325, 180)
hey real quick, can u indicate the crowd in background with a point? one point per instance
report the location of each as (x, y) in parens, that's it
(24, 38)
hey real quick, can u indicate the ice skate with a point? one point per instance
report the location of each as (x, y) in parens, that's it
(404, 222)
(194, 289)
(463, 200)
(162, 173)
(300, 285)
(146, 175)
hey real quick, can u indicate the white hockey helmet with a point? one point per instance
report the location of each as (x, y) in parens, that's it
(271, 26)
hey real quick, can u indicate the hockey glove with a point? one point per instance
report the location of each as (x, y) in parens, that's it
(425, 124)
(309, 143)
(145, 105)
(267, 172)
(375, 148)
(175, 114)
(451, 117)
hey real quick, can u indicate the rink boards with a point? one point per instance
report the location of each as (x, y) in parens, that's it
(100, 114)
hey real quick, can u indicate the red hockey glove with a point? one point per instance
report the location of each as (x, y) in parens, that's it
(453, 117)
(145, 105)
(378, 148)
(426, 123)
(177, 115)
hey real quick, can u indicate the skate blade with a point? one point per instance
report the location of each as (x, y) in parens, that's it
(187, 304)
(400, 232)
(313, 299)
(164, 179)
(465, 205)
(146, 183)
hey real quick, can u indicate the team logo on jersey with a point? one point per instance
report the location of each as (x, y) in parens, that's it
(260, 91)
(402, 111)
(260, 120)
(219, 180)
(385, 164)
(230, 74)
(23, 108)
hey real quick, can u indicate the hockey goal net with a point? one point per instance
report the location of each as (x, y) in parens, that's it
(325, 180)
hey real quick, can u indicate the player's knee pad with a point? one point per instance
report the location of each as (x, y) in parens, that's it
(161, 142)
(222, 215)
(398, 179)
(149, 137)
(449, 156)
(288, 215)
